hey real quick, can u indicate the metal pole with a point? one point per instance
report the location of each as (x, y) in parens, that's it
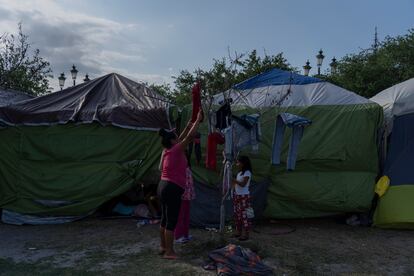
(227, 175)
(225, 192)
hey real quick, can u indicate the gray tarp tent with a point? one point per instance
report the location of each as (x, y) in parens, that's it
(10, 96)
(109, 100)
(66, 153)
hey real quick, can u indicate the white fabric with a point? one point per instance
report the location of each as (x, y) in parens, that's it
(396, 100)
(322, 93)
(240, 177)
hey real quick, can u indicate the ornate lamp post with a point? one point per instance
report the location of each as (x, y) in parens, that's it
(307, 68)
(334, 66)
(86, 79)
(74, 73)
(319, 60)
(62, 79)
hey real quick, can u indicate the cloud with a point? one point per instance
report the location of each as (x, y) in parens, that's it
(140, 77)
(95, 45)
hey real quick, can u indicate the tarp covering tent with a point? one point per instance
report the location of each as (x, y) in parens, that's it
(66, 153)
(337, 160)
(396, 208)
(10, 96)
(108, 100)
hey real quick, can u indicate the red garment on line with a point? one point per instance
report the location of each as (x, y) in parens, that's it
(196, 91)
(213, 140)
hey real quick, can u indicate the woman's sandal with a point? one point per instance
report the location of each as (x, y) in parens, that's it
(210, 266)
(170, 257)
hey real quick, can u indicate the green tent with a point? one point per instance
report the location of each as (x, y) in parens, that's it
(337, 161)
(396, 207)
(66, 153)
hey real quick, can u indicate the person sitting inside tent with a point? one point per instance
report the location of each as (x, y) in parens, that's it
(139, 202)
(150, 198)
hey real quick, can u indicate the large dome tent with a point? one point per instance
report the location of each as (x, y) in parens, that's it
(396, 207)
(66, 153)
(271, 89)
(108, 100)
(11, 96)
(337, 161)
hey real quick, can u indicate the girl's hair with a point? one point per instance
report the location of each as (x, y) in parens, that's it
(246, 165)
(166, 137)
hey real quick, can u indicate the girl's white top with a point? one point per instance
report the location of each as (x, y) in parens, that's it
(240, 177)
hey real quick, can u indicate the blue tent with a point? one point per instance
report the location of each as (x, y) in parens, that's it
(275, 77)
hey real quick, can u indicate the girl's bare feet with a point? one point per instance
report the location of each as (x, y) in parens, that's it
(244, 238)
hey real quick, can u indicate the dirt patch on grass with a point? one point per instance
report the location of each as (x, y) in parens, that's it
(93, 246)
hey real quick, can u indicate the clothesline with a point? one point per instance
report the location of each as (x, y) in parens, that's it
(267, 93)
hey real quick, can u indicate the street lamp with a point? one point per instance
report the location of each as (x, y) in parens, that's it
(334, 65)
(307, 68)
(74, 72)
(61, 81)
(86, 79)
(319, 60)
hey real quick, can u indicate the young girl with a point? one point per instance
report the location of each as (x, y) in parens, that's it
(181, 233)
(241, 198)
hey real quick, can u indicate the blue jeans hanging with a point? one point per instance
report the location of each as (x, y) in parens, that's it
(297, 124)
(297, 134)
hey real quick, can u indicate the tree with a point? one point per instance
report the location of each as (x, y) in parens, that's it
(162, 89)
(225, 72)
(254, 65)
(183, 82)
(20, 69)
(372, 70)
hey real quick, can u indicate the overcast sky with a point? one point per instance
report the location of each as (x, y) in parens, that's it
(153, 40)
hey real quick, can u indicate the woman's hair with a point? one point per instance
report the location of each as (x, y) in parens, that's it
(246, 165)
(166, 137)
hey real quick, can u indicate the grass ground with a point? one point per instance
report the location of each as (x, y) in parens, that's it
(118, 247)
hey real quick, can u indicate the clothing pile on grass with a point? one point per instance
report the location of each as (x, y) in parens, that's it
(236, 260)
